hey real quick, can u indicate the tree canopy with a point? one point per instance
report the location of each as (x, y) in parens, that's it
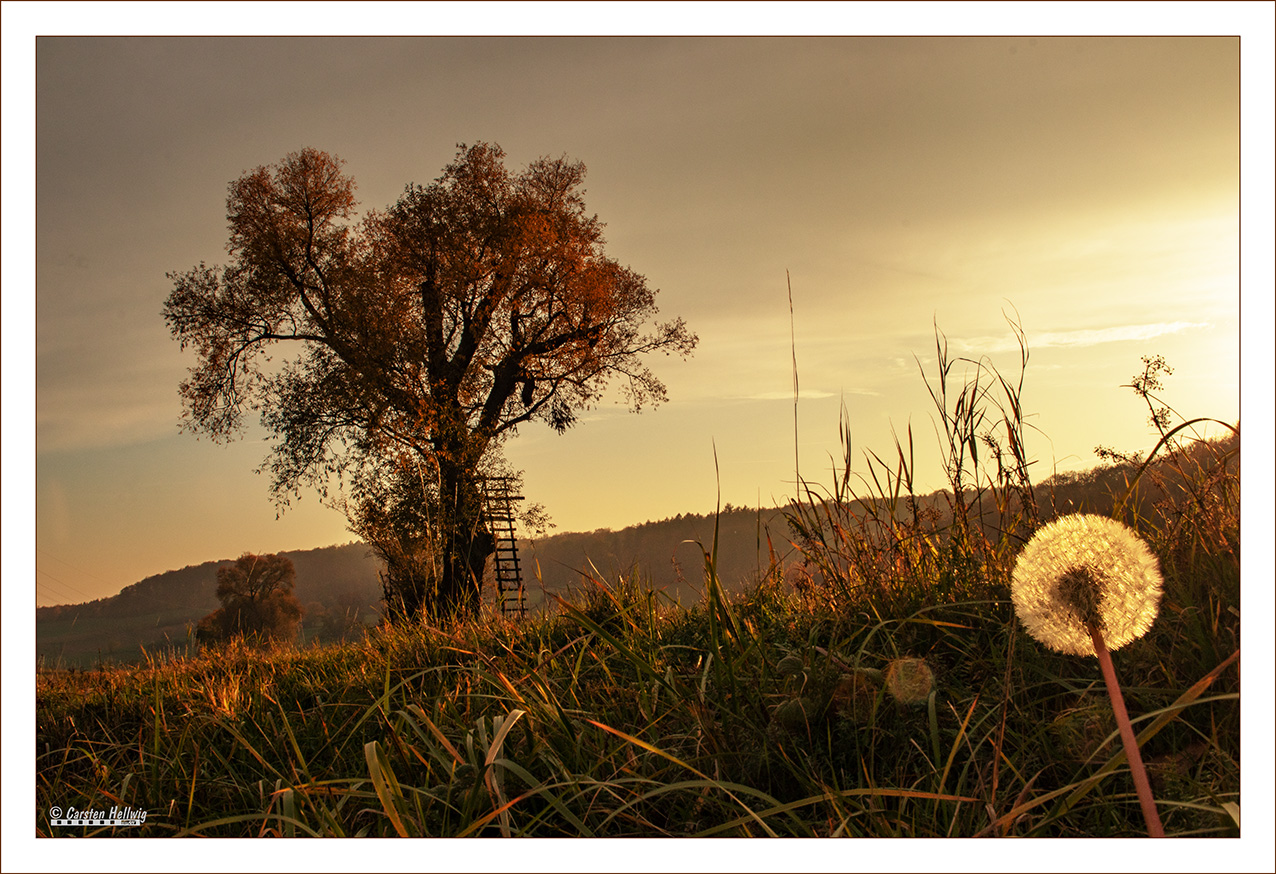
(424, 335)
(257, 600)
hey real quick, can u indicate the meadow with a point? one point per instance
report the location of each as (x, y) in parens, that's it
(874, 681)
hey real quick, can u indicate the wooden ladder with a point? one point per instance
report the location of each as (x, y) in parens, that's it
(510, 594)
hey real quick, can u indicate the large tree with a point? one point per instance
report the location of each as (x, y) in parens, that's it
(424, 335)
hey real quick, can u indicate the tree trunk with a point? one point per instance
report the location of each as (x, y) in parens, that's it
(466, 542)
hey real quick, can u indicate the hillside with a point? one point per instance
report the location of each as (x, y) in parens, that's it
(339, 586)
(667, 555)
(341, 592)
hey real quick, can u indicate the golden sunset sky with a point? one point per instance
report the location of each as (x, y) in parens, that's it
(1090, 184)
(1115, 191)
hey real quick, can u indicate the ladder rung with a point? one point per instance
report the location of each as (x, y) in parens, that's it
(500, 519)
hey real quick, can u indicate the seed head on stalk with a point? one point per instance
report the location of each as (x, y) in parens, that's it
(1083, 585)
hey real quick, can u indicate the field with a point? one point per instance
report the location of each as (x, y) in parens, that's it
(874, 682)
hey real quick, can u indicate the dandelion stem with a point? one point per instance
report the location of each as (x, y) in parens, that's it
(1141, 784)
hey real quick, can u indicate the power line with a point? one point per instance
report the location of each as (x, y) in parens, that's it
(61, 582)
(78, 570)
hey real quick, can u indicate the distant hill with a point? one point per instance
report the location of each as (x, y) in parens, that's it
(341, 592)
(340, 589)
(338, 585)
(668, 554)
(662, 556)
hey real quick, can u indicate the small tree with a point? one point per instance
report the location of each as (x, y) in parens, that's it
(257, 601)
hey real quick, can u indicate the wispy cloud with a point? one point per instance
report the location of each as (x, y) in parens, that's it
(803, 394)
(1080, 337)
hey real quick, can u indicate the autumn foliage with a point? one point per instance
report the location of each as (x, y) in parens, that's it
(425, 335)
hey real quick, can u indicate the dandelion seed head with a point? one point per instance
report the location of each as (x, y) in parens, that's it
(909, 680)
(1085, 568)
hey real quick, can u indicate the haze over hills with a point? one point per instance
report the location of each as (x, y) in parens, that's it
(337, 585)
(341, 592)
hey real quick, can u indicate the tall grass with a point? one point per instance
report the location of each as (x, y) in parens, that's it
(879, 686)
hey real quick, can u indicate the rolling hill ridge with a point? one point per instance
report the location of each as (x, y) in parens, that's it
(341, 592)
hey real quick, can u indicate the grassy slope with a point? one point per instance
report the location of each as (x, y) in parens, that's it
(622, 714)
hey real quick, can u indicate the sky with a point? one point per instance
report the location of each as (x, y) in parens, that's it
(1090, 187)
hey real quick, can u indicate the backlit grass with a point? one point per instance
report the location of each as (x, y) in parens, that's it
(875, 682)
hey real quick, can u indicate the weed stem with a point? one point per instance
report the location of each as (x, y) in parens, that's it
(1141, 785)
